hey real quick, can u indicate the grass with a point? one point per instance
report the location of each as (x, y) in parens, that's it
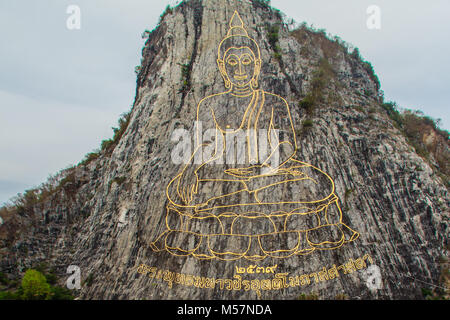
(185, 77)
(310, 296)
(414, 125)
(307, 125)
(348, 192)
(308, 104)
(166, 12)
(92, 156)
(393, 113)
(108, 145)
(89, 280)
(331, 46)
(65, 180)
(341, 296)
(367, 67)
(274, 38)
(321, 78)
(265, 4)
(43, 286)
(118, 180)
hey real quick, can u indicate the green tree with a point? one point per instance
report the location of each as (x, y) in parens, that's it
(35, 286)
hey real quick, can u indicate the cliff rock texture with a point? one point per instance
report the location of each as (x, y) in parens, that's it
(382, 234)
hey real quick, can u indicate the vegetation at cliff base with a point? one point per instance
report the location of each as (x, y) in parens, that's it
(35, 285)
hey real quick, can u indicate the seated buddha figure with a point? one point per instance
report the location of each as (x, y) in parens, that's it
(243, 194)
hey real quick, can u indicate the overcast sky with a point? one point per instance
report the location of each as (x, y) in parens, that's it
(62, 90)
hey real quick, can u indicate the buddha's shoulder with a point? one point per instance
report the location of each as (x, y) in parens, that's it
(209, 100)
(207, 107)
(274, 101)
(272, 97)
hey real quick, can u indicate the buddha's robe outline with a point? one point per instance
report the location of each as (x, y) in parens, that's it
(264, 206)
(228, 216)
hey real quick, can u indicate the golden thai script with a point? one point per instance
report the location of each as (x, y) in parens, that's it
(277, 282)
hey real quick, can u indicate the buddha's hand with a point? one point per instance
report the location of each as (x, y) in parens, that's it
(187, 187)
(246, 173)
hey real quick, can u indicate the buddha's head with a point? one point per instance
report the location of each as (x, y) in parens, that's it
(239, 58)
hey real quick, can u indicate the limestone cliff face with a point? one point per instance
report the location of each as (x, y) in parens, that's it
(106, 212)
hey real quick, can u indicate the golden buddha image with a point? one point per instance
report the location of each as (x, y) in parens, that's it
(253, 199)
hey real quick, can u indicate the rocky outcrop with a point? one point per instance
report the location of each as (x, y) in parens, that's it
(105, 212)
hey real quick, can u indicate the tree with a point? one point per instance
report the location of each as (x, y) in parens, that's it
(35, 286)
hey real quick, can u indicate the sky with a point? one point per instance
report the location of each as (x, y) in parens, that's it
(61, 89)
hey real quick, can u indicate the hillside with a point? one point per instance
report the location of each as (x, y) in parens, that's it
(360, 211)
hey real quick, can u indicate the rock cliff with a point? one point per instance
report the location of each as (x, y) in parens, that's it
(104, 214)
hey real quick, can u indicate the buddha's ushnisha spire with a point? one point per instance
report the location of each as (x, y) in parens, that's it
(237, 26)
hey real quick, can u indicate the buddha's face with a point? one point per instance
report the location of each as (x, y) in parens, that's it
(240, 66)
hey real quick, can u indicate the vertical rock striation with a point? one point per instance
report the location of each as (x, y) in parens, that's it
(107, 211)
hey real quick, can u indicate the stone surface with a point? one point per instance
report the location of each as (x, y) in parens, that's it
(388, 194)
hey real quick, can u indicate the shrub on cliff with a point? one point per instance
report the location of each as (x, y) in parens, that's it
(35, 286)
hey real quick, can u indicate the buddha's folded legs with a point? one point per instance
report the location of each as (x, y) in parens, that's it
(296, 182)
(208, 191)
(299, 183)
(254, 235)
(292, 212)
